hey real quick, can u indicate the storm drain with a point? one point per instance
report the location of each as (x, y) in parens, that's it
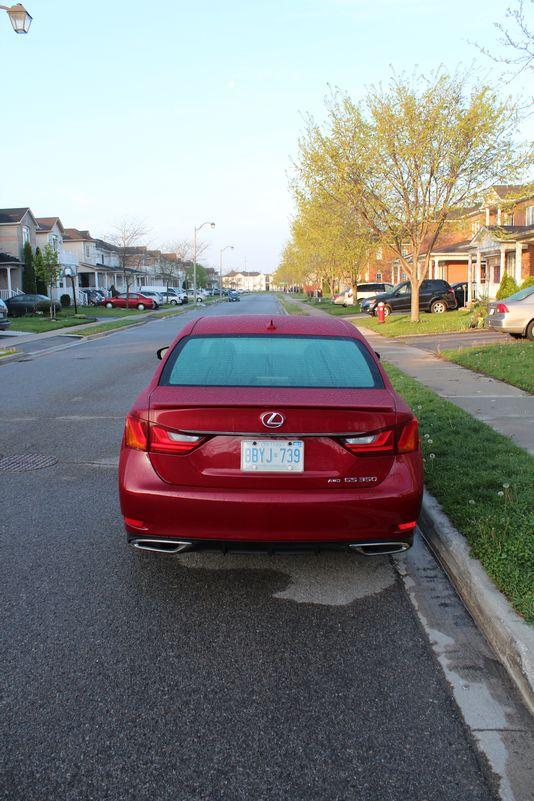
(19, 463)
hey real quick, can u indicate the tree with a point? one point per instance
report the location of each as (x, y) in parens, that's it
(201, 275)
(516, 38)
(183, 250)
(48, 270)
(129, 236)
(410, 157)
(29, 285)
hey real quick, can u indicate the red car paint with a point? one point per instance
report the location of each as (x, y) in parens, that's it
(193, 489)
(131, 302)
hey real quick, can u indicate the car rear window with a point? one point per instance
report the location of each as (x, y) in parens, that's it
(271, 361)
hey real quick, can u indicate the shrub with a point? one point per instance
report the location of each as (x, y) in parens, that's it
(507, 287)
(527, 282)
(65, 301)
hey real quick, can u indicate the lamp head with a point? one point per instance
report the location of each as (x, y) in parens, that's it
(20, 19)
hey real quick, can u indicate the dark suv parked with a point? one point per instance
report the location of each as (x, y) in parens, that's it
(435, 296)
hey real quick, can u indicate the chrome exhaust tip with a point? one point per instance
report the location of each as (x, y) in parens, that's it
(379, 548)
(160, 545)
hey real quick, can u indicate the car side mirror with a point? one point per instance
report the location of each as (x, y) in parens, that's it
(162, 351)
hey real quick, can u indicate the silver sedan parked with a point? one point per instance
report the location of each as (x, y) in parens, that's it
(514, 315)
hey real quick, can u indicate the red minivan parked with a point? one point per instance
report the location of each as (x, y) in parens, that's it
(131, 300)
(272, 433)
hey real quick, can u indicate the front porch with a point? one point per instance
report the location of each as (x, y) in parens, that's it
(10, 278)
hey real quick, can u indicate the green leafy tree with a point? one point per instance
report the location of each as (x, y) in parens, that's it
(48, 270)
(29, 285)
(507, 287)
(201, 275)
(527, 282)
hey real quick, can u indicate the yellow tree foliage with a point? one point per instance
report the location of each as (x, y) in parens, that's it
(409, 157)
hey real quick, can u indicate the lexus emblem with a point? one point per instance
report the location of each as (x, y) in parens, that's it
(272, 419)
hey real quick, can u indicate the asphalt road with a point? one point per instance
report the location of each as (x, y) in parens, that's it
(203, 678)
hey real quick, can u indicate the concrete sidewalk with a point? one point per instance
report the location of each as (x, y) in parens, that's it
(508, 410)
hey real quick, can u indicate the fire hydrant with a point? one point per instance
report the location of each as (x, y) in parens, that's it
(381, 312)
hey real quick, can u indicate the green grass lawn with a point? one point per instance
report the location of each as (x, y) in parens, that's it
(290, 306)
(7, 352)
(337, 310)
(512, 362)
(111, 326)
(40, 325)
(484, 484)
(400, 325)
(101, 311)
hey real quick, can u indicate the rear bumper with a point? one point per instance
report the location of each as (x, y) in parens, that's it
(502, 324)
(333, 515)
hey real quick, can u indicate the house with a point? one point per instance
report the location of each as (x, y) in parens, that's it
(17, 226)
(247, 281)
(479, 244)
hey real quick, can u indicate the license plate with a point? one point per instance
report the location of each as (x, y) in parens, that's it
(272, 455)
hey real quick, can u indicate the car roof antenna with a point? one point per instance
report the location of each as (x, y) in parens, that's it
(271, 326)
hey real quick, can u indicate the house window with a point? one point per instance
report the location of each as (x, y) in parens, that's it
(379, 254)
(404, 276)
(87, 250)
(404, 250)
(508, 218)
(497, 274)
(530, 215)
(510, 263)
(379, 276)
(53, 241)
(475, 228)
(25, 234)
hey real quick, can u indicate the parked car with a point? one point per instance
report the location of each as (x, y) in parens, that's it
(371, 289)
(4, 322)
(132, 300)
(22, 304)
(345, 298)
(233, 296)
(460, 292)
(514, 315)
(171, 294)
(94, 296)
(191, 295)
(435, 296)
(244, 409)
(158, 299)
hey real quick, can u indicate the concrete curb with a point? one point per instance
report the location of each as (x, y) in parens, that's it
(510, 637)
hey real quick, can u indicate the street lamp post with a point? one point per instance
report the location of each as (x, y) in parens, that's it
(212, 225)
(68, 272)
(228, 247)
(20, 19)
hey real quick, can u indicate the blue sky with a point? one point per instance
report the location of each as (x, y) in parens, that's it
(176, 112)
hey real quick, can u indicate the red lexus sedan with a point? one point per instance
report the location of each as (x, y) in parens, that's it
(270, 433)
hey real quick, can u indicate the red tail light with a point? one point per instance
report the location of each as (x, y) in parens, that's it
(502, 308)
(136, 433)
(142, 436)
(384, 442)
(164, 440)
(408, 437)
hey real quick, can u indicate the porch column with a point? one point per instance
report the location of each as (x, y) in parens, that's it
(503, 261)
(8, 270)
(478, 270)
(487, 215)
(469, 279)
(96, 279)
(518, 258)
(498, 215)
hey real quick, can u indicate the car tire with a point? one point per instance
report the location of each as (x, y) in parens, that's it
(140, 307)
(387, 310)
(109, 305)
(438, 307)
(174, 303)
(529, 333)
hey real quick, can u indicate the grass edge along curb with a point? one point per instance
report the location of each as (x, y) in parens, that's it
(498, 360)
(510, 637)
(400, 325)
(483, 482)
